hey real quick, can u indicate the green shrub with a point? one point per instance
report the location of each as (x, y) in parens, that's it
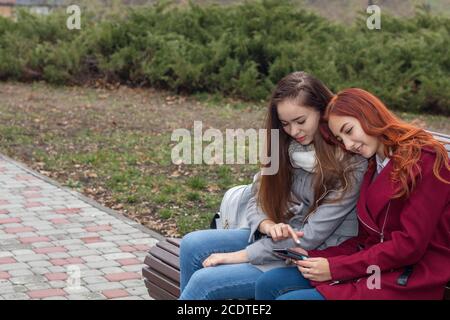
(240, 50)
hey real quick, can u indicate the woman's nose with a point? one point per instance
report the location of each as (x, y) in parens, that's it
(348, 144)
(295, 130)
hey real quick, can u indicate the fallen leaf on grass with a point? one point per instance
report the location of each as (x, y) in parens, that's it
(175, 174)
(213, 188)
(90, 174)
(40, 164)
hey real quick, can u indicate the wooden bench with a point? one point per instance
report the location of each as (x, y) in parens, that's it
(162, 270)
(162, 264)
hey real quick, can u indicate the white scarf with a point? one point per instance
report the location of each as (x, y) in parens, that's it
(301, 156)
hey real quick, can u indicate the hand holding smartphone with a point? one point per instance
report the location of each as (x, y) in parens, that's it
(289, 254)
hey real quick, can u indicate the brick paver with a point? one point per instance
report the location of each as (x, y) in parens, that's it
(57, 244)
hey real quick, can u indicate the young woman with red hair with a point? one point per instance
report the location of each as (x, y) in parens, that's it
(403, 247)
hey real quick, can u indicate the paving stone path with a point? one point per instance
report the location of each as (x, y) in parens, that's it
(58, 244)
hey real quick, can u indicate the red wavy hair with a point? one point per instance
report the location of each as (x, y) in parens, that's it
(404, 140)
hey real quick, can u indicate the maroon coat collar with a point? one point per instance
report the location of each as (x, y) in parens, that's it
(375, 196)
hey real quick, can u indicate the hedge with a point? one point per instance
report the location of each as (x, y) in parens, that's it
(240, 51)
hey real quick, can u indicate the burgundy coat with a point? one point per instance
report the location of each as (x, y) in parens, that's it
(417, 233)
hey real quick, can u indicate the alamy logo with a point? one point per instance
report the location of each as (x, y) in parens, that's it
(74, 20)
(374, 280)
(374, 21)
(234, 151)
(73, 281)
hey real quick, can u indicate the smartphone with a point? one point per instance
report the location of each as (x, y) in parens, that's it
(289, 254)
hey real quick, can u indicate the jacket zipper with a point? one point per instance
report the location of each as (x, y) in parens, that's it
(376, 231)
(381, 233)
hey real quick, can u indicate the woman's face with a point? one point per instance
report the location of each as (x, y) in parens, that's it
(299, 122)
(348, 130)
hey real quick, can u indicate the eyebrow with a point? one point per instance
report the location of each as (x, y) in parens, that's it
(293, 119)
(342, 128)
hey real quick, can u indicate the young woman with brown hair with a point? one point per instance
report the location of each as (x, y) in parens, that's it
(321, 178)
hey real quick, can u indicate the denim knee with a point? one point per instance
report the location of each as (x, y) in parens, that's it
(264, 287)
(191, 242)
(305, 294)
(276, 282)
(199, 286)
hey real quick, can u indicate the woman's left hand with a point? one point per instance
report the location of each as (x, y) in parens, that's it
(225, 258)
(316, 269)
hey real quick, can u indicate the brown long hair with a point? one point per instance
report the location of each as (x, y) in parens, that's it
(275, 190)
(404, 140)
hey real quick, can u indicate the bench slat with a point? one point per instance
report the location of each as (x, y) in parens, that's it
(158, 293)
(175, 250)
(162, 268)
(443, 140)
(439, 134)
(161, 281)
(171, 259)
(173, 278)
(174, 241)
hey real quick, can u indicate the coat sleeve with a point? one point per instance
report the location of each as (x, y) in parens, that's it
(259, 251)
(346, 248)
(254, 213)
(329, 216)
(418, 219)
(320, 226)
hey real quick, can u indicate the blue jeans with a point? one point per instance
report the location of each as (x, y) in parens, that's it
(228, 281)
(285, 284)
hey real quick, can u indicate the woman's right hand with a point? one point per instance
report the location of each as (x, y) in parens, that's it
(282, 231)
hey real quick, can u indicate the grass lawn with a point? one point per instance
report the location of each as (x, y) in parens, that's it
(114, 145)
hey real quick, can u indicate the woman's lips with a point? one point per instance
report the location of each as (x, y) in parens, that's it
(300, 139)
